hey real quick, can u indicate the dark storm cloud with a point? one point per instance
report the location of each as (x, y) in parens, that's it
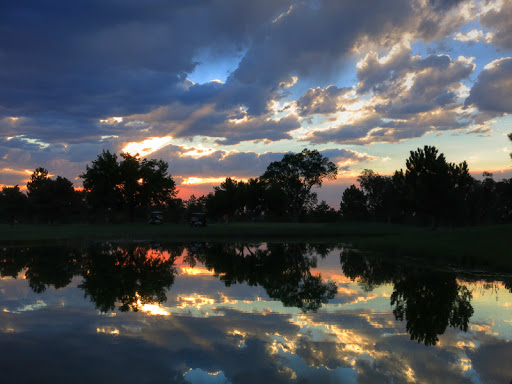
(492, 91)
(66, 65)
(105, 58)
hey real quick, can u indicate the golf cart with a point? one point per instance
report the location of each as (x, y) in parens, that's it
(156, 217)
(198, 220)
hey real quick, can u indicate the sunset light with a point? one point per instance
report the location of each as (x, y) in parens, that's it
(205, 180)
(146, 147)
(232, 192)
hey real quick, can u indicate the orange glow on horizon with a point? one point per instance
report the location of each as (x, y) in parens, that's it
(195, 180)
(22, 187)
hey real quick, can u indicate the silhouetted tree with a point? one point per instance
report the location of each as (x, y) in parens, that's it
(383, 195)
(322, 212)
(296, 174)
(49, 199)
(102, 182)
(353, 204)
(435, 188)
(13, 203)
(133, 183)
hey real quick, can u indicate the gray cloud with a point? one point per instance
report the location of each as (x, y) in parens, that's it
(492, 91)
(500, 22)
(66, 67)
(237, 164)
(321, 100)
(406, 96)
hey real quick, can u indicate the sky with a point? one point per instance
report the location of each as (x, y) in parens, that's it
(221, 88)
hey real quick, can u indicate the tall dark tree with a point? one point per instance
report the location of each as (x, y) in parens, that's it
(296, 174)
(435, 187)
(353, 204)
(227, 199)
(133, 183)
(102, 182)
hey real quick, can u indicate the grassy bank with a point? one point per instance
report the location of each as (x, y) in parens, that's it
(23, 234)
(490, 245)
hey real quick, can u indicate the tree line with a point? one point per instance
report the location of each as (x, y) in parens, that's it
(430, 191)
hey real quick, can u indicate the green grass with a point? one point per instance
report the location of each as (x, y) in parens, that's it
(487, 246)
(179, 232)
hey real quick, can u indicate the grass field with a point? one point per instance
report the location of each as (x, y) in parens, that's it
(489, 245)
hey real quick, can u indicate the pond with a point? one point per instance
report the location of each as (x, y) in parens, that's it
(247, 313)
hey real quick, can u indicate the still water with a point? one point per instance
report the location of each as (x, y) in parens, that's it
(246, 313)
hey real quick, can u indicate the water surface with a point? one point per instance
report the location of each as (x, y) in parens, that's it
(246, 313)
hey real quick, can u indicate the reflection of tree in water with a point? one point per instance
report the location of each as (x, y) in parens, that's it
(284, 270)
(45, 266)
(132, 275)
(429, 301)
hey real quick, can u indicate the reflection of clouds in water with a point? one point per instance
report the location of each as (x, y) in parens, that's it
(198, 376)
(31, 307)
(354, 336)
(294, 366)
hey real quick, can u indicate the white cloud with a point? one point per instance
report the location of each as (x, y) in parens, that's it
(475, 36)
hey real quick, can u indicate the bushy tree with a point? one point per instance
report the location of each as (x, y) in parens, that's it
(323, 212)
(102, 183)
(13, 203)
(435, 187)
(296, 174)
(132, 183)
(50, 200)
(353, 204)
(380, 194)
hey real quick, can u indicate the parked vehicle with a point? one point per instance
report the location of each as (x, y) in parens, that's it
(156, 217)
(198, 220)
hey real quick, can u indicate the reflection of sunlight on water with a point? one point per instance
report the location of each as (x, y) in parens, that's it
(194, 271)
(485, 328)
(196, 301)
(151, 309)
(156, 254)
(240, 336)
(108, 330)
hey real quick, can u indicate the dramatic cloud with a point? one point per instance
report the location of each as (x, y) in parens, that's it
(322, 101)
(241, 164)
(492, 91)
(498, 18)
(400, 96)
(274, 74)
